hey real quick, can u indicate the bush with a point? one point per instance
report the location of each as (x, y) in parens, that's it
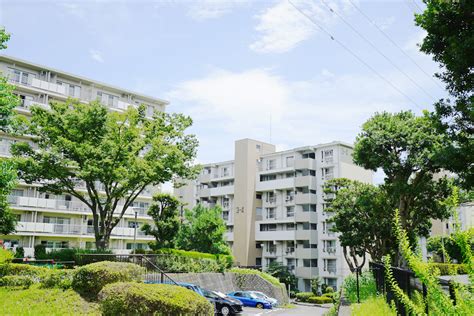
(263, 275)
(176, 264)
(40, 251)
(17, 280)
(303, 296)
(88, 280)
(83, 261)
(5, 255)
(373, 306)
(367, 287)
(22, 269)
(152, 299)
(20, 252)
(329, 289)
(331, 295)
(58, 279)
(448, 268)
(206, 260)
(67, 254)
(320, 300)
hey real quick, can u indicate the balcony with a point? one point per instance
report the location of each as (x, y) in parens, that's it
(274, 234)
(204, 178)
(221, 191)
(278, 184)
(203, 192)
(49, 86)
(27, 104)
(330, 250)
(306, 181)
(311, 235)
(306, 198)
(306, 253)
(301, 216)
(306, 272)
(301, 164)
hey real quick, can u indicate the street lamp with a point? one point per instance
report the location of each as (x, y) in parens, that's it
(135, 224)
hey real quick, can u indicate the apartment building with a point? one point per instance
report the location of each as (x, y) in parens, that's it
(62, 221)
(273, 205)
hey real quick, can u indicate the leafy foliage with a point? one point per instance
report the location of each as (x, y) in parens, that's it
(447, 248)
(165, 214)
(263, 275)
(23, 281)
(152, 299)
(450, 42)
(367, 287)
(373, 306)
(283, 274)
(5, 255)
(203, 230)
(115, 156)
(315, 284)
(88, 280)
(58, 278)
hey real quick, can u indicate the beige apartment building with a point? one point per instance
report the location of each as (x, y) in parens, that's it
(273, 205)
(62, 221)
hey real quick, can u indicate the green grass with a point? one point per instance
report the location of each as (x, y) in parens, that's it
(35, 301)
(372, 306)
(367, 287)
(263, 275)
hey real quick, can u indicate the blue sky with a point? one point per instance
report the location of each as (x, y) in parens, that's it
(229, 64)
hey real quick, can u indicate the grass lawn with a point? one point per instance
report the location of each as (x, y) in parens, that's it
(35, 301)
(372, 306)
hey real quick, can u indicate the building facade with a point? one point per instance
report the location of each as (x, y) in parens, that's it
(62, 221)
(273, 205)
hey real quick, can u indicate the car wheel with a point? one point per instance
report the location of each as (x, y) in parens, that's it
(260, 305)
(225, 310)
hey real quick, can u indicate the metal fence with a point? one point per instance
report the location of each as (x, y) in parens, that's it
(153, 272)
(407, 281)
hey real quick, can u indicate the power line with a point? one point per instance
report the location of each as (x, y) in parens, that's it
(355, 55)
(378, 50)
(394, 43)
(416, 4)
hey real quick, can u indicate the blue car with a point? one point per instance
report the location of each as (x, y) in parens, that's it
(251, 300)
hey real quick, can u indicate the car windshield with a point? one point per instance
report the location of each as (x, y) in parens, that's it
(252, 295)
(221, 295)
(260, 295)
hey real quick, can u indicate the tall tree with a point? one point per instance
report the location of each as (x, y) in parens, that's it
(165, 214)
(283, 274)
(362, 214)
(450, 41)
(105, 159)
(203, 230)
(8, 101)
(405, 147)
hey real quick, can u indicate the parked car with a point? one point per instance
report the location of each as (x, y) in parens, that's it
(250, 299)
(262, 295)
(192, 287)
(223, 304)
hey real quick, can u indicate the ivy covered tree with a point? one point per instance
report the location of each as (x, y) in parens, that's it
(450, 41)
(105, 159)
(203, 230)
(362, 214)
(406, 148)
(165, 214)
(8, 101)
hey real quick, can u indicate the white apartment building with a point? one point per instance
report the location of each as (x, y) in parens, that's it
(273, 205)
(62, 221)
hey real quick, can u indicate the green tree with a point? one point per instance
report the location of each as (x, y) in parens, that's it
(165, 214)
(450, 41)
(203, 230)
(405, 147)
(362, 214)
(8, 101)
(104, 159)
(446, 248)
(283, 274)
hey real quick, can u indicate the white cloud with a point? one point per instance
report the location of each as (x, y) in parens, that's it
(212, 9)
(282, 27)
(96, 55)
(321, 109)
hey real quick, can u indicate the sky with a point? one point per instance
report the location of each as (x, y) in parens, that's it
(289, 72)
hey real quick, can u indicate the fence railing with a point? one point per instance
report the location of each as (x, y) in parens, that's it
(153, 273)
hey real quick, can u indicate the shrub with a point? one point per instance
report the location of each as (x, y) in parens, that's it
(5, 255)
(40, 251)
(373, 306)
(176, 263)
(152, 299)
(303, 296)
(331, 295)
(319, 300)
(263, 275)
(17, 280)
(58, 279)
(22, 269)
(83, 261)
(67, 254)
(329, 289)
(367, 287)
(20, 252)
(221, 262)
(88, 280)
(448, 268)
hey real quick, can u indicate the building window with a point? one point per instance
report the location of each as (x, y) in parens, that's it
(271, 164)
(268, 227)
(20, 76)
(308, 226)
(309, 156)
(271, 214)
(71, 90)
(290, 211)
(107, 99)
(309, 207)
(290, 226)
(258, 196)
(55, 244)
(289, 161)
(307, 263)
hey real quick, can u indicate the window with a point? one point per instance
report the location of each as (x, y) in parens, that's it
(289, 175)
(290, 226)
(267, 227)
(308, 226)
(133, 224)
(271, 214)
(268, 177)
(290, 211)
(271, 164)
(258, 261)
(20, 76)
(71, 90)
(225, 171)
(309, 156)
(310, 263)
(327, 156)
(55, 244)
(307, 172)
(56, 220)
(309, 207)
(289, 161)
(107, 99)
(137, 246)
(271, 198)
(258, 196)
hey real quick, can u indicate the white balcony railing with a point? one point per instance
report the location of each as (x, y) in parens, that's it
(45, 85)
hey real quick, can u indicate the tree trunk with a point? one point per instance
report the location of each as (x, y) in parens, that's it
(102, 242)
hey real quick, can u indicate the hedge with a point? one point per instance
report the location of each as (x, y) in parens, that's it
(304, 296)
(24, 281)
(449, 268)
(5, 255)
(263, 275)
(88, 280)
(58, 279)
(320, 300)
(68, 254)
(126, 298)
(22, 269)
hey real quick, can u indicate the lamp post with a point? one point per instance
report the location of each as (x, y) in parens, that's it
(135, 230)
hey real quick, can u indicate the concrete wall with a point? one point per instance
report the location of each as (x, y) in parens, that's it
(229, 282)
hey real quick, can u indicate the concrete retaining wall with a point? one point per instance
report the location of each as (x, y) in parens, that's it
(229, 282)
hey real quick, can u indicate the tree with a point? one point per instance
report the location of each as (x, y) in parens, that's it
(315, 285)
(446, 248)
(450, 41)
(405, 147)
(165, 214)
(203, 230)
(104, 159)
(8, 101)
(283, 274)
(362, 214)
